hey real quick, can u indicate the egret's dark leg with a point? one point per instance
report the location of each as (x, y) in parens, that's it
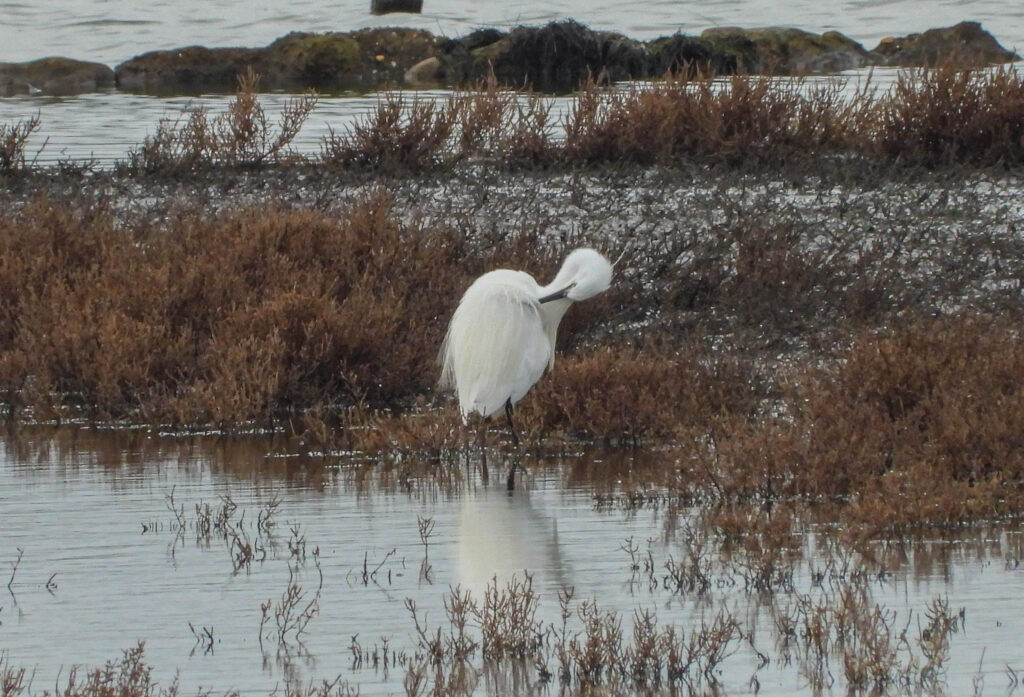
(485, 476)
(511, 483)
(481, 444)
(481, 441)
(511, 426)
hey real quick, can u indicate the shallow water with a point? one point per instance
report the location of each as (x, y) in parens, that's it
(103, 127)
(90, 508)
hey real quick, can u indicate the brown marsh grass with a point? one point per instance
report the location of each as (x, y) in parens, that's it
(936, 117)
(220, 320)
(835, 634)
(241, 137)
(132, 676)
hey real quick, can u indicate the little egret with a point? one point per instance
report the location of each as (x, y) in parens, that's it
(501, 339)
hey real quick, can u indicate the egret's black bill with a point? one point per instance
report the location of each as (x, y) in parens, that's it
(557, 295)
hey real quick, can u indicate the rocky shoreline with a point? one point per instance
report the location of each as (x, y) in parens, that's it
(554, 58)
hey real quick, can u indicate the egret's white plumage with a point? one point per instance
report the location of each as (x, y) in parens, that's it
(502, 336)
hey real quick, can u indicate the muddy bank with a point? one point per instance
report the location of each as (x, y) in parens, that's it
(555, 58)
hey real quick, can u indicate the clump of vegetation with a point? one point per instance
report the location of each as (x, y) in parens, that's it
(132, 676)
(919, 423)
(240, 137)
(742, 120)
(220, 320)
(399, 136)
(944, 116)
(13, 139)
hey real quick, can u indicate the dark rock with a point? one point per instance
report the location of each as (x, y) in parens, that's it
(678, 54)
(383, 7)
(456, 63)
(553, 58)
(965, 45)
(335, 61)
(478, 38)
(54, 75)
(788, 51)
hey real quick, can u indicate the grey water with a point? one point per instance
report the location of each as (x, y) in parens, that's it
(103, 127)
(103, 566)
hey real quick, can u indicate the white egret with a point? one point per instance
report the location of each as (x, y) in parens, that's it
(501, 339)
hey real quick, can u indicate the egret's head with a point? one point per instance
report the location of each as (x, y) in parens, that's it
(584, 274)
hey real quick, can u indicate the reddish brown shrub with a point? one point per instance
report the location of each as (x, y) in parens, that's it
(919, 423)
(944, 115)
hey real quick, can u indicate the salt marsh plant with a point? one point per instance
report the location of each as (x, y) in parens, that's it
(13, 682)
(241, 137)
(426, 530)
(13, 141)
(935, 117)
(399, 136)
(295, 609)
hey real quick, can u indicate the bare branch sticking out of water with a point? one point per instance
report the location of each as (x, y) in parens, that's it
(295, 609)
(204, 639)
(14, 570)
(265, 518)
(426, 528)
(368, 575)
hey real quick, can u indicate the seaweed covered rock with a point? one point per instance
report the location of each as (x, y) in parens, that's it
(359, 60)
(557, 57)
(788, 51)
(191, 69)
(693, 55)
(965, 45)
(334, 61)
(54, 75)
(454, 62)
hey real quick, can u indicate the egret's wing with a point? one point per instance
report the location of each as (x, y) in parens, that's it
(496, 347)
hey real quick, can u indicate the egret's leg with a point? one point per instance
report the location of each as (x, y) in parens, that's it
(511, 426)
(481, 429)
(511, 483)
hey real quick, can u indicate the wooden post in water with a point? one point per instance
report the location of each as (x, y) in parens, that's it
(383, 7)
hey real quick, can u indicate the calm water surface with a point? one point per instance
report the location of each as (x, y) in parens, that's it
(103, 127)
(90, 508)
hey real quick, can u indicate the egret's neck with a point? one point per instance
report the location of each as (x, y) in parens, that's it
(551, 314)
